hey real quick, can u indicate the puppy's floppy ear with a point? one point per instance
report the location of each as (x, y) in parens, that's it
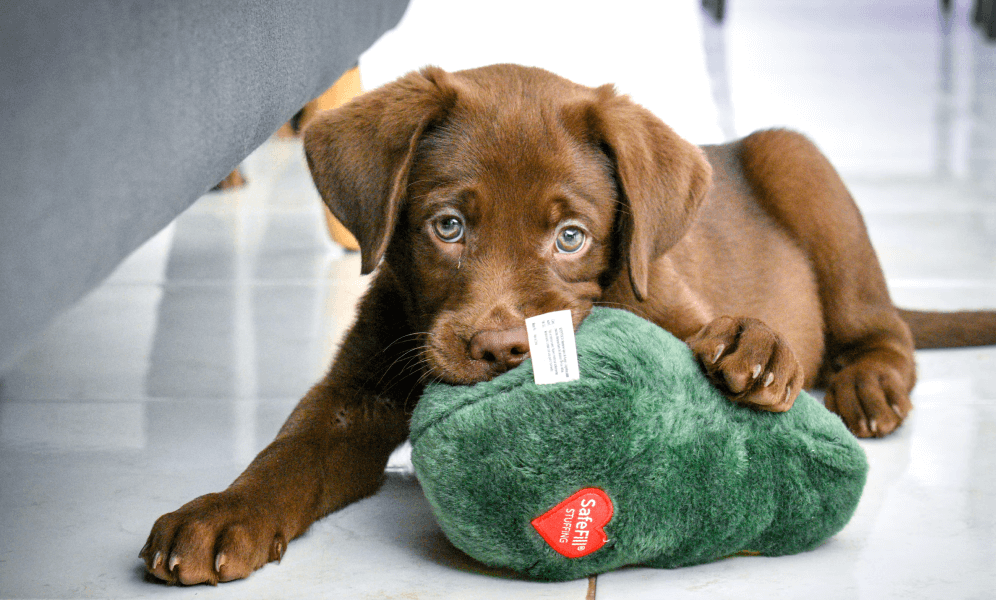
(360, 154)
(663, 178)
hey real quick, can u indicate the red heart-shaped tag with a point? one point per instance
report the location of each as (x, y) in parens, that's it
(574, 528)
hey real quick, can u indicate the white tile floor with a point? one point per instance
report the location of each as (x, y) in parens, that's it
(164, 382)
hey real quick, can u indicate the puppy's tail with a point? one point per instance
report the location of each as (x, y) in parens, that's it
(934, 329)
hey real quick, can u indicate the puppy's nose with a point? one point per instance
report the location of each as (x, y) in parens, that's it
(502, 349)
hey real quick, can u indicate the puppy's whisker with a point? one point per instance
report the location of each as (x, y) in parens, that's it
(412, 360)
(405, 338)
(420, 366)
(405, 361)
(427, 378)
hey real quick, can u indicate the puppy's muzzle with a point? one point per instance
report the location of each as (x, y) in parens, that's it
(501, 350)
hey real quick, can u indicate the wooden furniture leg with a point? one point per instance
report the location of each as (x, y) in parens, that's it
(232, 181)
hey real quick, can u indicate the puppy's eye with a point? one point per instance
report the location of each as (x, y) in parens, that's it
(570, 240)
(449, 228)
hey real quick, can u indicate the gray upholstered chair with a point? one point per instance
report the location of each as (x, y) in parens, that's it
(116, 115)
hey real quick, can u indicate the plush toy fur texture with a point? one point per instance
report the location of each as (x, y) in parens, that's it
(693, 477)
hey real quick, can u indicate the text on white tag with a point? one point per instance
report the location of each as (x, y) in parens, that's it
(552, 347)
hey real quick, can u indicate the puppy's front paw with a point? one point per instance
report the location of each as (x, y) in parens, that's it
(217, 537)
(749, 362)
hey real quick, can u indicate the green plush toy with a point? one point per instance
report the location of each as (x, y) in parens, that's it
(639, 462)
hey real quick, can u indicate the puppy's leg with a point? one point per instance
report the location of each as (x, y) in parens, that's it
(327, 455)
(749, 362)
(331, 451)
(869, 361)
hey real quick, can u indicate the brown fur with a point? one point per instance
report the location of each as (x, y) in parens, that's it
(753, 252)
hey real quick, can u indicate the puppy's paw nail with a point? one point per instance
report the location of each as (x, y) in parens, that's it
(872, 426)
(756, 371)
(156, 559)
(718, 353)
(897, 410)
(174, 561)
(769, 378)
(278, 550)
(219, 562)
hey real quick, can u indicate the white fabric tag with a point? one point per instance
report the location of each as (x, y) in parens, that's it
(552, 347)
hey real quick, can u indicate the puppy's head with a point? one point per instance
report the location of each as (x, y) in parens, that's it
(500, 193)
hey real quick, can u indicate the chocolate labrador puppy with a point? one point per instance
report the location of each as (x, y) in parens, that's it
(488, 196)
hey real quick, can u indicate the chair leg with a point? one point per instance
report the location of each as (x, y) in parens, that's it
(232, 181)
(983, 16)
(718, 9)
